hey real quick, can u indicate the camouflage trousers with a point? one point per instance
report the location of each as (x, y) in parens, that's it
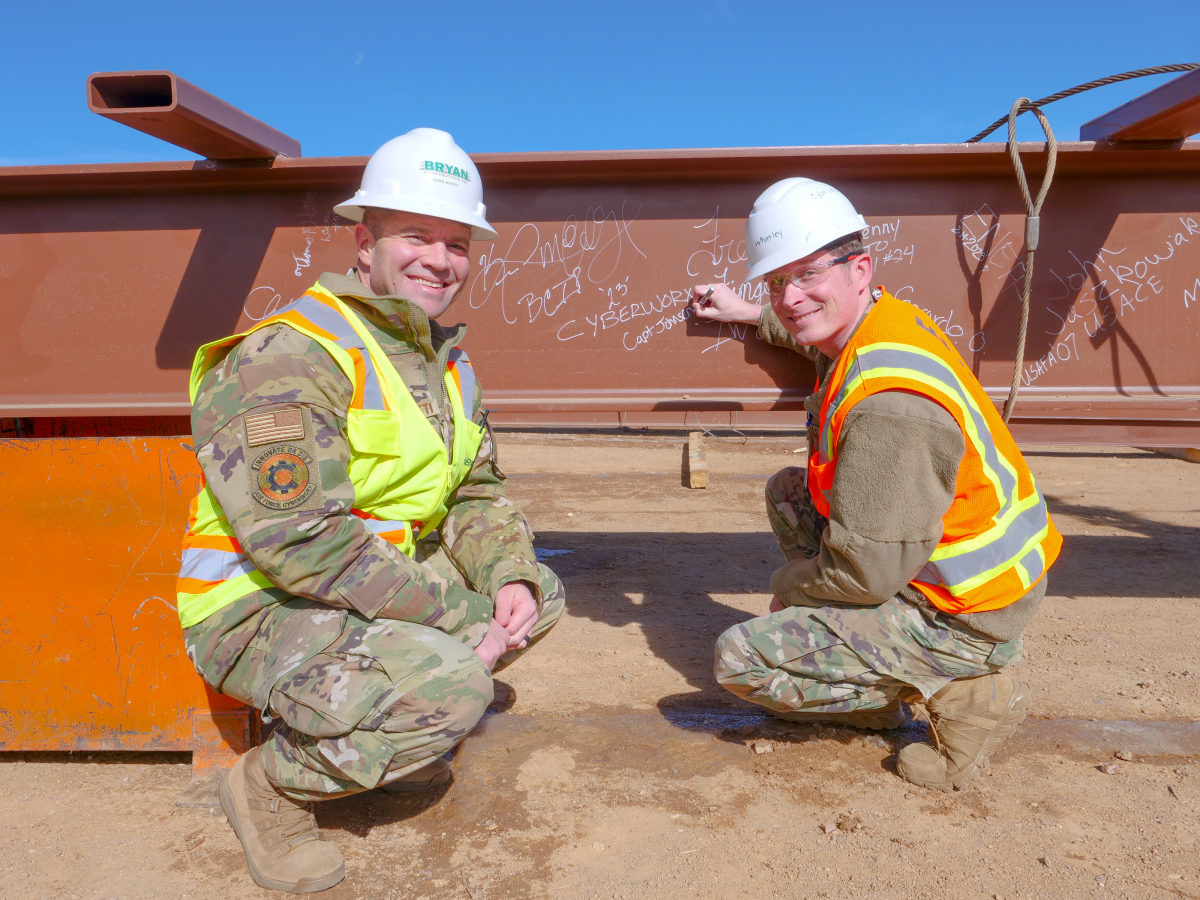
(361, 702)
(844, 657)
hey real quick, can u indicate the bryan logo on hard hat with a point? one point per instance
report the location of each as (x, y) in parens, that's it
(444, 182)
(430, 167)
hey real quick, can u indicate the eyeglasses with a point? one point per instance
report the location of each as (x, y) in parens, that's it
(809, 276)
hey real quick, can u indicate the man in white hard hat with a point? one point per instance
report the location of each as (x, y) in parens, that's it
(915, 542)
(352, 566)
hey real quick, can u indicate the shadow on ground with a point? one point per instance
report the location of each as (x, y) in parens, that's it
(1147, 559)
(668, 585)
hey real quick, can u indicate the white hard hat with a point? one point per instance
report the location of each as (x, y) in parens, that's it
(423, 172)
(793, 218)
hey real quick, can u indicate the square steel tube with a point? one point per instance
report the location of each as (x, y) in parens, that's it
(166, 106)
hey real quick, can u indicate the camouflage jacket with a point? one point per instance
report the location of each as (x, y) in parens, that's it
(321, 551)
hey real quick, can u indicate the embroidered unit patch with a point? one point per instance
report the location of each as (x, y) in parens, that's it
(283, 475)
(272, 427)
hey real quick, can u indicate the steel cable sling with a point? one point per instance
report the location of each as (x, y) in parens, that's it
(1033, 207)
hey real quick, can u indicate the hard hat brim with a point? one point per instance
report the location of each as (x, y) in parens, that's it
(354, 209)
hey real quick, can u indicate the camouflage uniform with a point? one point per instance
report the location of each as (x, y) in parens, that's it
(854, 635)
(365, 655)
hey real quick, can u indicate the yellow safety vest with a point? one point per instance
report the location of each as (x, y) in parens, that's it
(398, 462)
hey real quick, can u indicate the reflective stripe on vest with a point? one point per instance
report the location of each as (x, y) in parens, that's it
(883, 360)
(392, 531)
(967, 571)
(459, 367)
(214, 572)
(205, 564)
(382, 416)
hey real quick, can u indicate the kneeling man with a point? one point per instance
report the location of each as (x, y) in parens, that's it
(916, 541)
(352, 565)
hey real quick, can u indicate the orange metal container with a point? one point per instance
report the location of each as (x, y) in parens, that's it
(89, 546)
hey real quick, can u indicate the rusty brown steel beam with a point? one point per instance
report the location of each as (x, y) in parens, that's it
(1169, 112)
(114, 274)
(162, 104)
(634, 167)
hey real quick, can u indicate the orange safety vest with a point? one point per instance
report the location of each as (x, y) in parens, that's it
(997, 537)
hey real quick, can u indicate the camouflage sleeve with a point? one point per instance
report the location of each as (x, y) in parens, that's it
(269, 424)
(771, 330)
(484, 532)
(897, 470)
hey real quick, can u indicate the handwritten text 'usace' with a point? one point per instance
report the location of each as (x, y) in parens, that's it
(1119, 287)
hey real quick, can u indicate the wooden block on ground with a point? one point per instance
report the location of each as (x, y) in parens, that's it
(697, 466)
(201, 794)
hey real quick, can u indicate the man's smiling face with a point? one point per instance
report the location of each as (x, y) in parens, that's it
(824, 314)
(422, 259)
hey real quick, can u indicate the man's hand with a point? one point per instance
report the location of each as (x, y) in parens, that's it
(775, 606)
(517, 613)
(494, 644)
(723, 305)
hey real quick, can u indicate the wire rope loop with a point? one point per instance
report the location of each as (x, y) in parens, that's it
(1033, 209)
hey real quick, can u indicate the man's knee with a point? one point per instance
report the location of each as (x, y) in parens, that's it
(758, 647)
(733, 657)
(442, 706)
(386, 681)
(406, 724)
(782, 486)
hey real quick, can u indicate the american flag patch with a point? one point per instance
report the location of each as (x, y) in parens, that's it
(268, 428)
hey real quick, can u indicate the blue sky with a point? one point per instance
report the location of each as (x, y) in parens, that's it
(533, 76)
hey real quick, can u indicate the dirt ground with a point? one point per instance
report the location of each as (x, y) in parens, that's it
(612, 766)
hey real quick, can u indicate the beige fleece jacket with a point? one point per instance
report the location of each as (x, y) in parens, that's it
(898, 458)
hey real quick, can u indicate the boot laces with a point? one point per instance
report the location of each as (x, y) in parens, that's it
(299, 829)
(931, 719)
(293, 824)
(937, 738)
(965, 731)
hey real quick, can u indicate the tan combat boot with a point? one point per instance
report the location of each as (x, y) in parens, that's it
(433, 775)
(969, 719)
(284, 849)
(882, 719)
